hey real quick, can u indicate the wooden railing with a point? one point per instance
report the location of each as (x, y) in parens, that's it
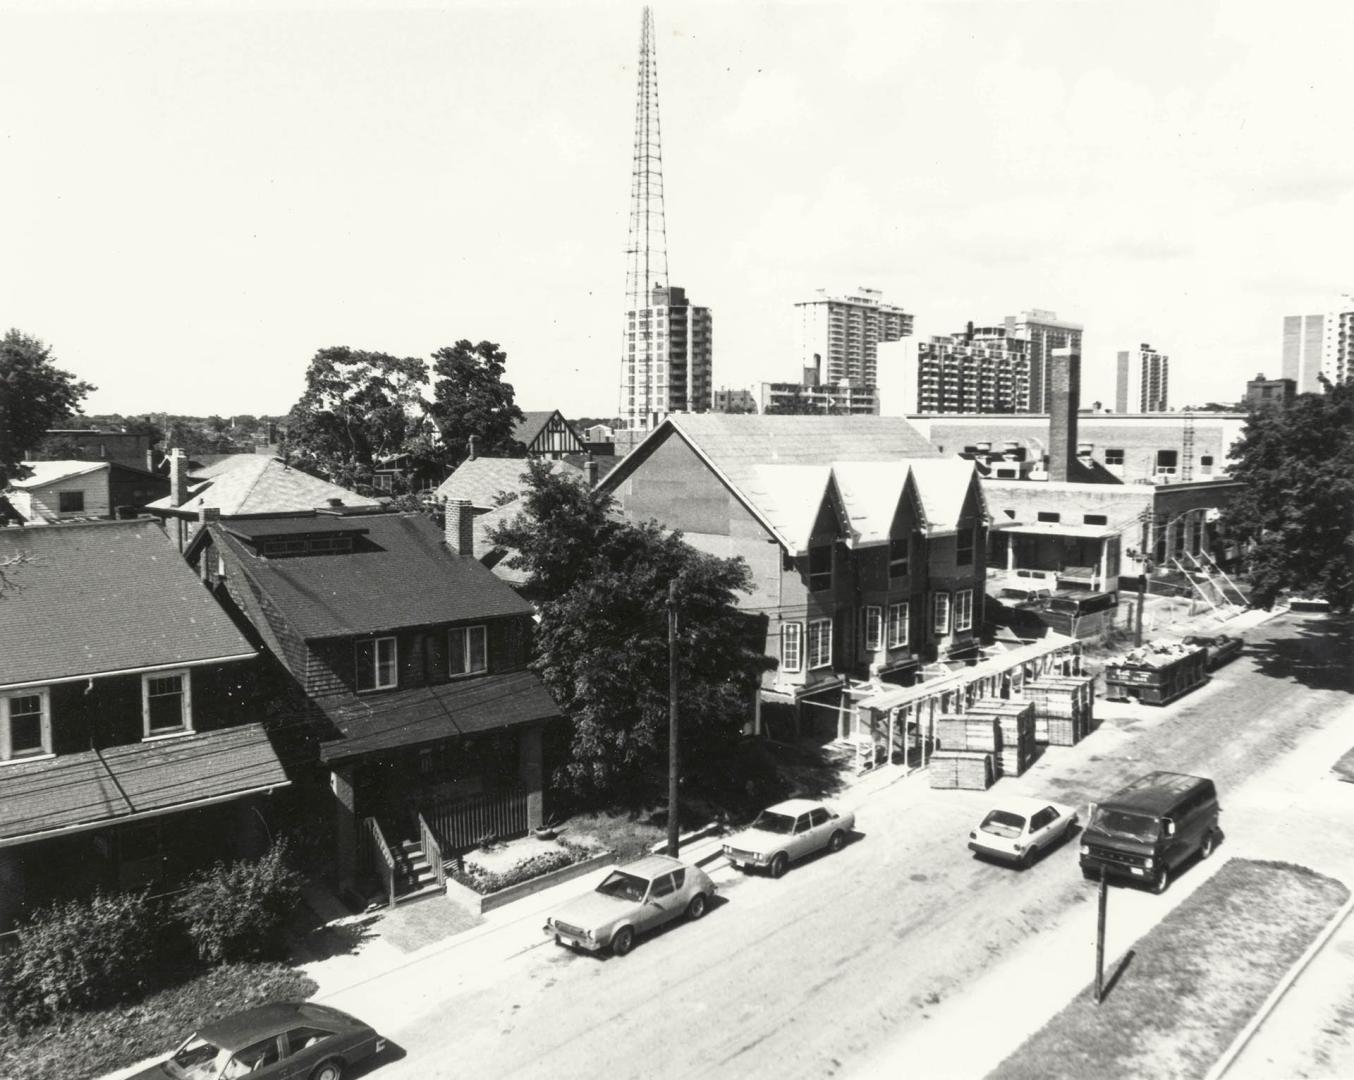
(432, 850)
(460, 824)
(380, 857)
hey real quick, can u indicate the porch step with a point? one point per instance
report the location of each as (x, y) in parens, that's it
(415, 873)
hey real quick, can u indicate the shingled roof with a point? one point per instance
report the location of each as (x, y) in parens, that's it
(399, 574)
(259, 485)
(101, 597)
(486, 480)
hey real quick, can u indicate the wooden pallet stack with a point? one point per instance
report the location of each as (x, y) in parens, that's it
(1062, 707)
(1016, 722)
(971, 770)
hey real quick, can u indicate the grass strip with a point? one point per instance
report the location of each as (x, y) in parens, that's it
(85, 1045)
(1193, 982)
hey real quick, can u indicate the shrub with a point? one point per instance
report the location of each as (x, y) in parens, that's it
(238, 911)
(488, 881)
(80, 954)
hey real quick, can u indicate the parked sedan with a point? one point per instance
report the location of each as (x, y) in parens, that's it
(1221, 647)
(1018, 829)
(786, 832)
(284, 1039)
(634, 898)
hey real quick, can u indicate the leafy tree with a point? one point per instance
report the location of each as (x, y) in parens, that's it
(602, 640)
(470, 398)
(1295, 512)
(34, 395)
(358, 408)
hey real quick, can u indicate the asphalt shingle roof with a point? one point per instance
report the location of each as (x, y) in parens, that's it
(92, 788)
(533, 423)
(427, 714)
(483, 480)
(399, 574)
(261, 485)
(103, 597)
(942, 486)
(49, 472)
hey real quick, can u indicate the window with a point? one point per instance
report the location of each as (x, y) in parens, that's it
(1206, 462)
(1167, 461)
(165, 703)
(302, 1038)
(820, 643)
(25, 725)
(818, 817)
(791, 646)
(899, 549)
(251, 1059)
(897, 625)
(1049, 515)
(1095, 519)
(820, 568)
(963, 610)
(664, 886)
(1114, 457)
(874, 628)
(70, 502)
(375, 663)
(963, 555)
(469, 650)
(802, 823)
(940, 613)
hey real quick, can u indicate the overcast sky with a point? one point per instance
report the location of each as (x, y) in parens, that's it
(198, 197)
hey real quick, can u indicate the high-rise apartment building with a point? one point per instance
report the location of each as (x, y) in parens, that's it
(980, 370)
(667, 364)
(1320, 344)
(1140, 384)
(840, 335)
(1044, 332)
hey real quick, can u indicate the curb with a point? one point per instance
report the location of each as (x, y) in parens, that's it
(1245, 1035)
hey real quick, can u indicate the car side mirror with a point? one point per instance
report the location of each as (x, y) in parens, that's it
(1170, 827)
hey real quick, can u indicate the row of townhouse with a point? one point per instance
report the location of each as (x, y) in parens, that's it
(866, 548)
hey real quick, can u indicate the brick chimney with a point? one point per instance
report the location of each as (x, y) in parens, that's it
(178, 478)
(470, 447)
(458, 527)
(1064, 373)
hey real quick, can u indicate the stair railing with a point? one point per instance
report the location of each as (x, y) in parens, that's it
(432, 850)
(380, 857)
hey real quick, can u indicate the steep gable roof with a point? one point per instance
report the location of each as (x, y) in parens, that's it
(870, 492)
(103, 597)
(401, 574)
(483, 480)
(943, 485)
(50, 472)
(533, 423)
(260, 485)
(790, 498)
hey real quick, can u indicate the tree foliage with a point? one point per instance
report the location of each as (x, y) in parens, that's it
(358, 408)
(602, 641)
(1295, 512)
(471, 398)
(34, 395)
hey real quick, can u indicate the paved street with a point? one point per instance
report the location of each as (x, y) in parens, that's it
(840, 966)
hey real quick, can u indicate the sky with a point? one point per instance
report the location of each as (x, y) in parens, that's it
(199, 196)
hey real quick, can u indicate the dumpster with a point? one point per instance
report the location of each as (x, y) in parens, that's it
(1157, 673)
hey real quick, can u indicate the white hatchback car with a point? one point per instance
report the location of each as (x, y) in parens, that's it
(787, 832)
(1020, 829)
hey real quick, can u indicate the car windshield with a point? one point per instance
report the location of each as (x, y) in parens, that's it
(1134, 826)
(1003, 823)
(197, 1059)
(625, 886)
(770, 821)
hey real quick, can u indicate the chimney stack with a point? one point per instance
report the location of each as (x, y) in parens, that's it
(471, 448)
(150, 459)
(590, 472)
(178, 478)
(1064, 369)
(458, 527)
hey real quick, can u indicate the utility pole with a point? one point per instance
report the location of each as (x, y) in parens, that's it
(1100, 941)
(672, 718)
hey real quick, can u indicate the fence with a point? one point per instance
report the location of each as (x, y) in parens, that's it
(460, 824)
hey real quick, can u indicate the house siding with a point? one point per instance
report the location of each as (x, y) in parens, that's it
(44, 503)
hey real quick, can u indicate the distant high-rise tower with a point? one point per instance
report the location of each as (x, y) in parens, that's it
(667, 350)
(1141, 381)
(845, 331)
(1320, 345)
(1044, 332)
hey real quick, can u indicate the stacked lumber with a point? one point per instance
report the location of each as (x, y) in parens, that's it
(968, 732)
(1062, 707)
(971, 770)
(1016, 722)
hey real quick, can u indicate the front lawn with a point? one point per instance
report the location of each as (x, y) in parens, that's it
(1193, 982)
(90, 1044)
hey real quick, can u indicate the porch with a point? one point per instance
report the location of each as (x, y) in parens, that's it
(1053, 555)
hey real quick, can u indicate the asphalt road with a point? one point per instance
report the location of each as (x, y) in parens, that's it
(810, 975)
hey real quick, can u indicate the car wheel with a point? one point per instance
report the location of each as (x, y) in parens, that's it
(1206, 848)
(328, 1070)
(1163, 880)
(1027, 859)
(837, 842)
(1089, 874)
(778, 864)
(696, 908)
(623, 941)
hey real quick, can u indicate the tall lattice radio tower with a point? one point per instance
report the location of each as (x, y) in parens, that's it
(648, 246)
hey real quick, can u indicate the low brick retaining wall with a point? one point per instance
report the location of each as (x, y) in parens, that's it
(479, 903)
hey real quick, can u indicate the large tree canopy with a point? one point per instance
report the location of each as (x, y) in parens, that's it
(34, 395)
(1295, 513)
(470, 399)
(602, 642)
(358, 409)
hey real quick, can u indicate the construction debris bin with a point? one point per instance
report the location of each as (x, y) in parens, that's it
(1157, 673)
